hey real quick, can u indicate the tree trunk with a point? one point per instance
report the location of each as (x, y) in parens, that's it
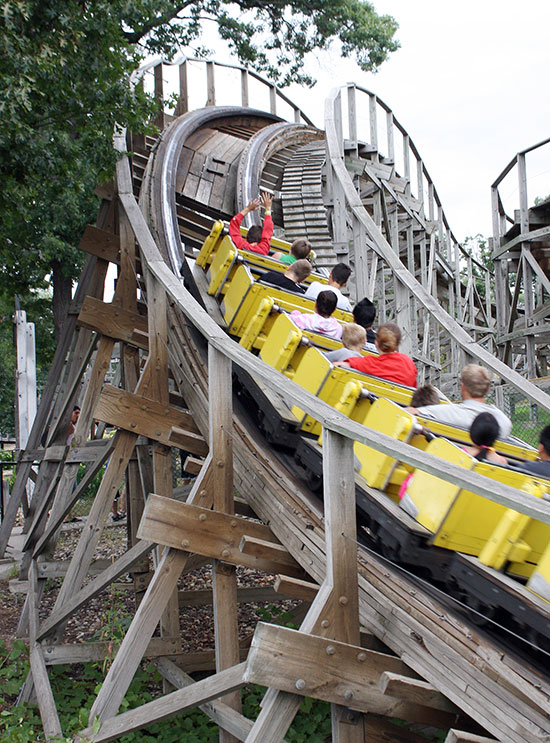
(62, 294)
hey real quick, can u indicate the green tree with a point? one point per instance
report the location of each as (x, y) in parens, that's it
(64, 83)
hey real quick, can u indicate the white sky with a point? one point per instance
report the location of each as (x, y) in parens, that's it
(470, 85)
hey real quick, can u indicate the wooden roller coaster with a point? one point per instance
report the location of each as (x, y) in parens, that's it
(377, 640)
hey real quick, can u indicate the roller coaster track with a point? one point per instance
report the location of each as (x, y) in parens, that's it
(205, 164)
(287, 508)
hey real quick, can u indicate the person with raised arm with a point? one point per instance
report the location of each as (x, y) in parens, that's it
(258, 239)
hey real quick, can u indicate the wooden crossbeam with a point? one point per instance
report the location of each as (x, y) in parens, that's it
(114, 321)
(335, 672)
(146, 417)
(456, 736)
(295, 588)
(101, 243)
(222, 714)
(97, 652)
(186, 439)
(192, 465)
(414, 690)
(203, 596)
(167, 706)
(209, 533)
(266, 550)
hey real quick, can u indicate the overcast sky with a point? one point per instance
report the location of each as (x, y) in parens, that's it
(470, 85)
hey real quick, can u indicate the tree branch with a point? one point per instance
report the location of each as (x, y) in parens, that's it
(133, 37)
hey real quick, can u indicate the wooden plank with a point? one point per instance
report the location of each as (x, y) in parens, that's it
(335, 672)
(295, 588)
(267, 551)
(210, 533)
(192, 465)
(456, 736)
(44, 694)
(341, 534)
(224, 578)
(186, 440)
(414, 690)
(223, 715)
(97, 652)
(114, 322)
(203, 596)
(100, 243)
(167, 706)
(146, 417)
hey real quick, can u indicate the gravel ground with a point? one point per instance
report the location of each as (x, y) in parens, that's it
(97, 620)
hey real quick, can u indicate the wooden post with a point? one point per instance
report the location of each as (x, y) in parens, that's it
(224, 579)
(352, 116)
(210, 85)
(25, 378)
(159, 95)
(183, 101)
(341, 552)
(273, 99)
(244, 88)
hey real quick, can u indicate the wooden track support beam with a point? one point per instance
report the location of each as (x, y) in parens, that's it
(224, 578)
(339, 673)
(113, 321)
(221, 683)
(139, 414)
(456, 736)
(211, 534)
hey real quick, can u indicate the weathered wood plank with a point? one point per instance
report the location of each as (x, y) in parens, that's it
(114, 321)
(414, 690)
(192, 465)
(224, 578)
(334, 672)
(265, 550)
(100, 243)
(209, 533)
(146, 417)
(167, 706)
(295, 588)
(44, 694)
(456, 736)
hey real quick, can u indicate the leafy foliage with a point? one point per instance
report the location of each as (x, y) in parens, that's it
(64, 83)
(75, 691)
